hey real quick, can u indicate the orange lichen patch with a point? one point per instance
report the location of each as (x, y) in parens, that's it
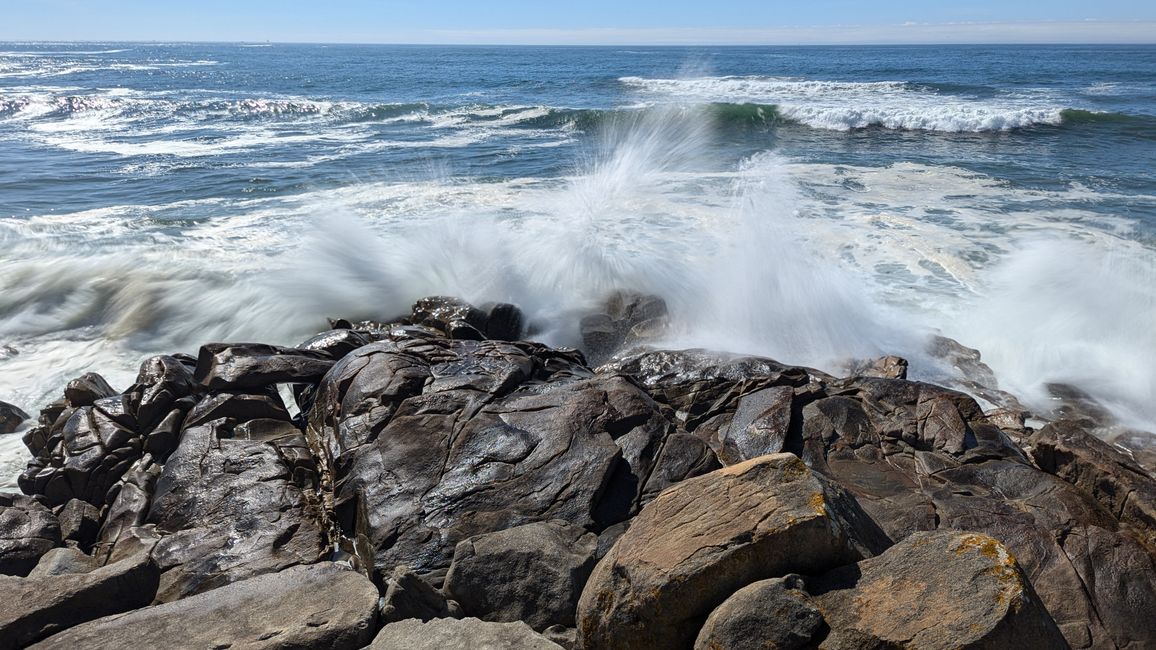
(988, 547)
(818, 503)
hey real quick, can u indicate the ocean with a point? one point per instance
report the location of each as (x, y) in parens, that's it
(813, 204)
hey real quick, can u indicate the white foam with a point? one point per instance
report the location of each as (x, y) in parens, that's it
(840, 105)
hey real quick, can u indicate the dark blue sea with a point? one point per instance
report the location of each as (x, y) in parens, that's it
(814, 204)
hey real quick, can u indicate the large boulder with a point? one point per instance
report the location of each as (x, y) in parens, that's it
(230, 508)
(532, 573)
(433, 441)
(703, 539)
(28, 530)
(316, 606)
(408, 596)
(40, 605)
(939, 590)
(464, 634)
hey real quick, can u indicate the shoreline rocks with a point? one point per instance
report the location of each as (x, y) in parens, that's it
(435, 480)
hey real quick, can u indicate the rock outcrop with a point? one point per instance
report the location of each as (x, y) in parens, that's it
(669, 499)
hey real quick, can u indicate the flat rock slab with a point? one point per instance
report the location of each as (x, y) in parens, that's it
(935, 590)
(704, 538)
(38, 606)
(316, 606)
(464, 634)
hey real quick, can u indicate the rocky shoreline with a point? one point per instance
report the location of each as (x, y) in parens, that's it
(437, 482)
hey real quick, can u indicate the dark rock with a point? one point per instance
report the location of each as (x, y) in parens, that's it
(86, 389)
(464, 634)
(79, 522)
(238, 408)
(504, 323)
(775, 613)
(434, 441)
(699, 385)
(945, 589)
(683, 456)
(629, 319)
(408, 596)
(760, 425)
(11, 417)
(1069, 451)
(28, 530)
(532, 573)
(703, 539)
(889, 367)
(567, 637)
(161, 384)
(457, 319)
(92, 453)
(336, 343)
(229, 509)
(36, 607)
(317, 606)
(239, 367)
(64, 560)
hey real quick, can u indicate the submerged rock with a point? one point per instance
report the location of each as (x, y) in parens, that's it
(11, 417)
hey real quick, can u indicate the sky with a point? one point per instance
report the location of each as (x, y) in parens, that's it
(583, 22)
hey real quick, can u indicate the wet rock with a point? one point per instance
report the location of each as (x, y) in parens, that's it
(246, 366)
(36, 607)
(464, 634)
(229, 509)
(86, 389)
(946, 589)
(532, 573)
(759, 426)
(683, 456)
(92, 453)
(434, 441)
(162, 383)
(28, 530)
(64, 560)
(776, 613)
(317, 606)
(703, 539)
(628, 319)
(336, 343)
(11, 417)
(1069, 451)
(699, 385)
(889, 367)
(408, 596)
(238, 408)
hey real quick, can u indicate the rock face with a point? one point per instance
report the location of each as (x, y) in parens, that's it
(28, 530)
(466, 634)
(703, 539)
(936, 590)
(435, 440)
(532, 573)
(318, 606)
(230, 508)
(467, 473)
(38, 606)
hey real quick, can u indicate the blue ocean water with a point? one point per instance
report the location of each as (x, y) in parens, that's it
(810, 203)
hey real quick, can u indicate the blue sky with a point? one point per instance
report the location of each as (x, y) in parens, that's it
(587, 21)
